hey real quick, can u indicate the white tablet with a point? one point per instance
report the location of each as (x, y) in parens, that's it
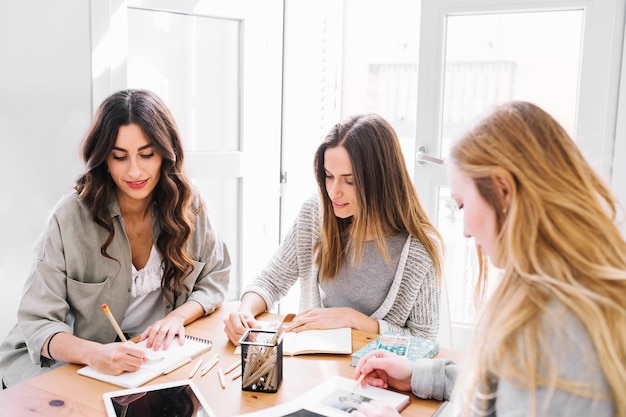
(176, 398)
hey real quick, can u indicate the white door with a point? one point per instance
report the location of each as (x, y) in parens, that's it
(218, 67)
(561, 54)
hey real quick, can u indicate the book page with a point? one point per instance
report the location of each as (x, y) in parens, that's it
(338, 341)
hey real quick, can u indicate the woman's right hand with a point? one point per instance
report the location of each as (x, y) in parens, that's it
(384, 369)
(236, 324)
(116, 358)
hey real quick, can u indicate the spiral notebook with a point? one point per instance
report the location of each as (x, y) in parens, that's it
(161, 362)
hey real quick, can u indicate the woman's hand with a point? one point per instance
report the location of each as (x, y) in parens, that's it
(375, 409)
(162, 332)
(236, 324)
(116, 358)
(332, 318)
(384, 369)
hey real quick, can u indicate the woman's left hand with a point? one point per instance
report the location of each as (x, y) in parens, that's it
(332, 318)
(163, 331)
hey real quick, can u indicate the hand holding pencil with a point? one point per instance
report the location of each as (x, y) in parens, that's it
(384, 369)
(118, 357)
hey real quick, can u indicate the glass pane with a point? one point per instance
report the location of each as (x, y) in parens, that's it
(175, 55)
(382, 65)
(225, 220)
(490, 59)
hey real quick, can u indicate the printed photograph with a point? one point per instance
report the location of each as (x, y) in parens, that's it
(345, 400)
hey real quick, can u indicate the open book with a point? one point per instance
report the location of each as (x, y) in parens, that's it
(333, 398)
(161, 362)
(337, 341)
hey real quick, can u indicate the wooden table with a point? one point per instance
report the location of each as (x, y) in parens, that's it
(62, 392)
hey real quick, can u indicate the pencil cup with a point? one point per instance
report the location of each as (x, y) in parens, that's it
(261, 360)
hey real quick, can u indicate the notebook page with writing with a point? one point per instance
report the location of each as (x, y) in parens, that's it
(160, 362)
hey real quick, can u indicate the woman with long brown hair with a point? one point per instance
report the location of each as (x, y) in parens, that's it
(364, 251)
(134, 235)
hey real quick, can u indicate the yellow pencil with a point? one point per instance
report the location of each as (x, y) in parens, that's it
(113, 322)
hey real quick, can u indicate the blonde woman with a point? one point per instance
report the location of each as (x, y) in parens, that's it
(364, 250)
(550, 340)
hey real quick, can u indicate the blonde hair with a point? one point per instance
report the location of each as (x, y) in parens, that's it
(558, 241)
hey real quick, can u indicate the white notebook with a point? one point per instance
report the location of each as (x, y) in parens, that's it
(336, 341)
(165, 361)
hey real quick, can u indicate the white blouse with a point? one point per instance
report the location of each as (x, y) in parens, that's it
(146, 304)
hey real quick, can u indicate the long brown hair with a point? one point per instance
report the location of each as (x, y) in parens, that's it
(386, 198)
(559, 241)
(172, 195)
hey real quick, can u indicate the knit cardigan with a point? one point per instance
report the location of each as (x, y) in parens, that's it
(411, 306)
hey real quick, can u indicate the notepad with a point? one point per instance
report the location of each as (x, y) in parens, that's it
(334, 341)
(167, 359)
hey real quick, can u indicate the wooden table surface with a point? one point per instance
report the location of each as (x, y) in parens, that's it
(62, 392)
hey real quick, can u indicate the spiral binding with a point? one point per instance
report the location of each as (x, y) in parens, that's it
(199, 339)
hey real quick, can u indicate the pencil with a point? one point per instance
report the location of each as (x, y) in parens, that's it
(113, 322)
(232, 367)
(220, 375)
(195, 368)
(358, 382)
(243, 322)
(210, 364)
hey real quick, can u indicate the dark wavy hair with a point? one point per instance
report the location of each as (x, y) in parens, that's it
(387, 200)
(172, 195)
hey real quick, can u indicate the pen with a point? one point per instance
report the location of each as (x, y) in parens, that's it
(220, 375)
(358, 382)
(195, 368)
(113, 322)
(232, 367)
(176, 366)
(210, 364)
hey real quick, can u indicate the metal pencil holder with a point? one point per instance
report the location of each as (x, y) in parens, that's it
(261, 360)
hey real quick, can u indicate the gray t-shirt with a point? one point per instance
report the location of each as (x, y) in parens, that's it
(365, 286)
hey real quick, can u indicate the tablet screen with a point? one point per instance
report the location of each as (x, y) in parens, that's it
(178, 398)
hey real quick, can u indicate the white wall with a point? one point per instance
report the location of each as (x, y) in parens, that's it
(45, 108)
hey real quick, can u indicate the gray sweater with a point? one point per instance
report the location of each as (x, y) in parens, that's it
(577, 361)
(410, 307)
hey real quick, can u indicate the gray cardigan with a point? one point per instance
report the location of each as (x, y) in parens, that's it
(70, 281)
(577, 361)
(411, 306)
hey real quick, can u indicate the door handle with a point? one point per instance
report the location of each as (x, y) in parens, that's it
(422, 157)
